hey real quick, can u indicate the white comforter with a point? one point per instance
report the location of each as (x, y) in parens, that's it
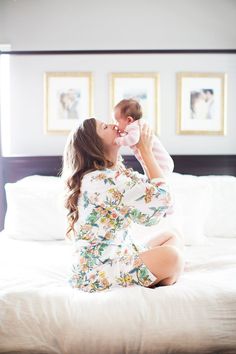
(40, 313)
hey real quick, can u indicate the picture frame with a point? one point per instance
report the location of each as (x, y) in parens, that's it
(144, 87)
(201, 103)
(68, 100)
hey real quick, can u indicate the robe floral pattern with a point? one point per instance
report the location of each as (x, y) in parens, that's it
(106, 254)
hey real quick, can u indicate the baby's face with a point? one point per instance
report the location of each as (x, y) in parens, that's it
(122, 121)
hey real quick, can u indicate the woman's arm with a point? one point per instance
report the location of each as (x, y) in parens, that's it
(147, 199)
(144, 146)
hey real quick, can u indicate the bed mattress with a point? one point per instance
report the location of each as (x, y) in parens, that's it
(40, 313)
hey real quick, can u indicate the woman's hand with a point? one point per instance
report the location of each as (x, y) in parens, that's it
(150, 164)
(146, 139)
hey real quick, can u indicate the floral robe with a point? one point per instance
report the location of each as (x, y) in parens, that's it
(106, 254)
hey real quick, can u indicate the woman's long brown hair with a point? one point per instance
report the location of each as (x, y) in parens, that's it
(83, 153)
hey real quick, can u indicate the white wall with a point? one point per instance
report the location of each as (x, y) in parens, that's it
(117, 24)
(27, 97)
(55, 24)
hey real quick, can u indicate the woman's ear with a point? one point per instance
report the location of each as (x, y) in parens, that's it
(130, 119)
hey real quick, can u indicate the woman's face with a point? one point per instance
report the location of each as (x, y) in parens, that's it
(107, 132)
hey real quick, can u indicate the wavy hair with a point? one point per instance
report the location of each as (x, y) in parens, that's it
(83, 153)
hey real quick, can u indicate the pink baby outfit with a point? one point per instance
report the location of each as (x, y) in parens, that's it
(132, 138)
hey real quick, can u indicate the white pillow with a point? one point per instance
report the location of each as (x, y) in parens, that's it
(222, 218)
(35, 209)
(193, 198)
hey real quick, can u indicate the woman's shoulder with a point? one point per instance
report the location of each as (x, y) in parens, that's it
(128, 176)
(112, 176)
(106, 176)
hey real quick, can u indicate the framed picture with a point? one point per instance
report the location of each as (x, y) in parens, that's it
(68, 100)
(144, 87)
(201, 103)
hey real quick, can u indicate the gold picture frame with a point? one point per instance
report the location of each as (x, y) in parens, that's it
(141, 86)
(201, 103)
(68, 100)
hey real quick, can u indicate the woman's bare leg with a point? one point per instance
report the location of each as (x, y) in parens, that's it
(165, 262)
(165, 258)
(170, 238)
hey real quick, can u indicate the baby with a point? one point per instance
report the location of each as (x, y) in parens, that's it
(128, 113)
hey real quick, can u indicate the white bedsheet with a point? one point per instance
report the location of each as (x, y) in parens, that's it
(40, 313)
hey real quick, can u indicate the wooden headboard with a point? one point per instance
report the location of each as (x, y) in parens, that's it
(14, 168)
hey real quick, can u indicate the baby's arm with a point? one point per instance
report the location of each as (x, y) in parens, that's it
(131, 138)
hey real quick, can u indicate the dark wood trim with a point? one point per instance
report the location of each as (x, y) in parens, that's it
(14, 168)
(119, 51)
(202, 165)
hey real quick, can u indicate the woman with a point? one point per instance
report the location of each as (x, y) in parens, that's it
(104, 199)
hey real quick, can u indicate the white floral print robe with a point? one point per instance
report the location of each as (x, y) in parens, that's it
(106, 254)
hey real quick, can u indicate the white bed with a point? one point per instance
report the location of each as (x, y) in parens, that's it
(40, 313)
